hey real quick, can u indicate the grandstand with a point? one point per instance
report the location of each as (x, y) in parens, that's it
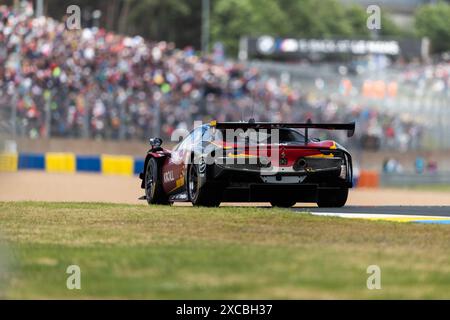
(108, 86)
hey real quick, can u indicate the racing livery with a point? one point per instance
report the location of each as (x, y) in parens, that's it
(250, 162)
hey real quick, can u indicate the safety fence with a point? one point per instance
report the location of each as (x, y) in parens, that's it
(414, 179)
(123, 165)
(374, 179)
(71, 163)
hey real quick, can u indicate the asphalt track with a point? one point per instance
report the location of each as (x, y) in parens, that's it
(412, 214)
(372, 204)
(441, 211)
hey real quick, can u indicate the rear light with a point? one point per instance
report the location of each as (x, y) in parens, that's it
(343, 174)
(264, 162)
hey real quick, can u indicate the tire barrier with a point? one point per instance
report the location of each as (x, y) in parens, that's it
(117, 165)
(368, 179)
(88, 164)
(60, 162)
(31, 161)
(8, 162)
(108, 165)
(71, 163)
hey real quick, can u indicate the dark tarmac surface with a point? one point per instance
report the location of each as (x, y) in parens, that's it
(442, 211)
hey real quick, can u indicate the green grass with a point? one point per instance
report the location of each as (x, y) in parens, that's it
(127, 251)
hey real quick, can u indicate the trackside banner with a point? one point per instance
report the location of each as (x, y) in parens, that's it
(290, 47)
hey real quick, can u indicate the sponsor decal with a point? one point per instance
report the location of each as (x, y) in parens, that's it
(168, 176)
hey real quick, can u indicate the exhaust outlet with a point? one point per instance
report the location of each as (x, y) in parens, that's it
(300, 164)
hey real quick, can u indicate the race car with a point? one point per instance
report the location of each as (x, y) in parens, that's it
(250, 162)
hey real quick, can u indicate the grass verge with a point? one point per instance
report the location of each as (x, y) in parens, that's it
(158, 252)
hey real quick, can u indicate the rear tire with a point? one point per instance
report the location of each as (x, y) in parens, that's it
(154, 192)
(202, 194)
(332, 198)
(283, 203)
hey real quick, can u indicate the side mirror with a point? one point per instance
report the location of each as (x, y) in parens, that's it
(155, 142)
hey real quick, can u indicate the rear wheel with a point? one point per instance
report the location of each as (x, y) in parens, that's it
(154, 192)
(283, 203)
(333, 198)
(202, 193)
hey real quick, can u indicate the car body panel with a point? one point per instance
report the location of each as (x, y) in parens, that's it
(296, 169)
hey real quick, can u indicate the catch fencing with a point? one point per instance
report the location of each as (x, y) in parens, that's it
(413, 179)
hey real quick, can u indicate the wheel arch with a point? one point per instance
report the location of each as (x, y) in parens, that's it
(159, 160)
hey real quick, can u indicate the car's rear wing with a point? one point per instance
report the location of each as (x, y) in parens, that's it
(349, 127)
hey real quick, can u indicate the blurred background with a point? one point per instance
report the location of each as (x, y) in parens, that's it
(141, 68)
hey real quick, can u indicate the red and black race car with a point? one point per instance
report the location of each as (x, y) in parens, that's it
(250, 162)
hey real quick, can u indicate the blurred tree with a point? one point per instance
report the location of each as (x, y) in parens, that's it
(180, 21)
(156, 19)
(389, 28)
(326, 18)
(433, 21)
(232, 19)
(356, 16)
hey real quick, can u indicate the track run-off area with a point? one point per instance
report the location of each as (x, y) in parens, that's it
(418, 214)
(401, 205)
(128, 249)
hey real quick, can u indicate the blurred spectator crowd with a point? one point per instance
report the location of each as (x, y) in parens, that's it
(96, 84)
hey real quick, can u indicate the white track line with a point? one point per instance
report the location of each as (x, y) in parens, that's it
(378, 216)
